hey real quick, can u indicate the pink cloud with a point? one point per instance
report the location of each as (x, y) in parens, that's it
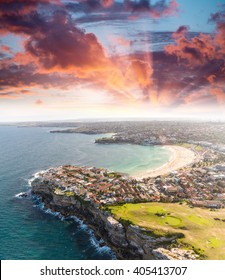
(39, 102)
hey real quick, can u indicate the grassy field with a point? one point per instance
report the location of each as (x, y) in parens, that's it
(198, 225)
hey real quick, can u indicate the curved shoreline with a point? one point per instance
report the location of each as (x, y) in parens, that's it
(180, 157)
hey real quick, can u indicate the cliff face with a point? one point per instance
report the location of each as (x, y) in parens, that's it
(127, 241)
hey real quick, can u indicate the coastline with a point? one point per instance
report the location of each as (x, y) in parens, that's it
(180, 157)
(127, 241)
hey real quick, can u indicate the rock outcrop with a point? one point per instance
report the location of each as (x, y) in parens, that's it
(127, 241)
(174, 254)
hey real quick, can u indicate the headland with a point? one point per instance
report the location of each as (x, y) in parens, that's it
(109, 202)
(87, 193)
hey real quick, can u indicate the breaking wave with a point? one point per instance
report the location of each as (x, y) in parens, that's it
(99, 245)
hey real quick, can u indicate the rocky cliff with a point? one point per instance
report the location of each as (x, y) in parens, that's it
(127, 241)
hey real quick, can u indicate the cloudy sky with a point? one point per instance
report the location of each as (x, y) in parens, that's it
(64, 59)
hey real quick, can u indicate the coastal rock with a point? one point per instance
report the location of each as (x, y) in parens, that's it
(22, 195)
(174, 254)
(127, 241)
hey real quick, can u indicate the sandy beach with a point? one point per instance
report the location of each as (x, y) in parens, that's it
(180, 157)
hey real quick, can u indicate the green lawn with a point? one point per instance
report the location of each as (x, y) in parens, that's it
(198, 225)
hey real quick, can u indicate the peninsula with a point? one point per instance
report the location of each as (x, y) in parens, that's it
(166, 213)
(98, 197)
(87, 193)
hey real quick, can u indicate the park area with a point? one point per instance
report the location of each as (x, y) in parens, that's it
(202, 229)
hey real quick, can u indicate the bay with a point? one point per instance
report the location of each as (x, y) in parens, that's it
(26, 231)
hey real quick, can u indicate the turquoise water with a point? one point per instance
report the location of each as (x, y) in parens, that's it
(26, 231)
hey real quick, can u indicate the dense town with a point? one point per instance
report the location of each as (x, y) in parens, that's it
(200, 184)
(209, 134)
(92, 192)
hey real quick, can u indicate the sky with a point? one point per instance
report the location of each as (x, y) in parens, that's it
(99, 59)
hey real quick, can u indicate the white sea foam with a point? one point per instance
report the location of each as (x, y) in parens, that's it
(23, 194)
(97, 244)
(36, 175)
(20, 195)
(56, 214)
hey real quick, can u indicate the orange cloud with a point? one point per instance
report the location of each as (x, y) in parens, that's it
(55, 47)
(39, 102)
(181, 31)
(59, 54)
(211, 78)
(199, 50)
(171, 9)
(198, 97)
(15, 92)
(21, 7)
(220, 37)
(203, 48)
(80, 54)
(107, 3)
(219, 94)
(156, 10)
(5, 49)
(143, 72)
(121, 41)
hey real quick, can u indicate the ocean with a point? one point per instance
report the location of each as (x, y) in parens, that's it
(27, 230)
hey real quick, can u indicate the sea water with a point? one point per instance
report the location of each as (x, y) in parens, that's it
(27, 231)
